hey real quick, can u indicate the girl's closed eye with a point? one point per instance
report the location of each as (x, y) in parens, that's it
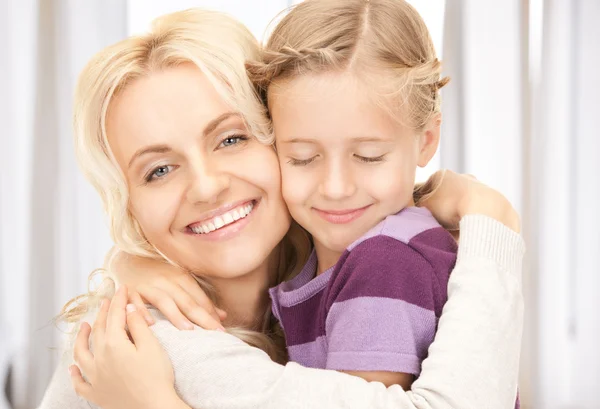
(301, 162)
(158, 172)
(370, 159)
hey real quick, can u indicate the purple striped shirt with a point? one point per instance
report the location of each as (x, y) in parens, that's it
(377, 308)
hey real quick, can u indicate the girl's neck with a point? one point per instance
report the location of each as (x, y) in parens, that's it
(326, 258)
(245, 298)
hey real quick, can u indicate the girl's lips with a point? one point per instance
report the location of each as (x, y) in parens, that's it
(341, 216)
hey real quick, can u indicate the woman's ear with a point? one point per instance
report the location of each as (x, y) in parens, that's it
(429, 140)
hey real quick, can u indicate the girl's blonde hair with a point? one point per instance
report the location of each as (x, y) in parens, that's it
(219, 46)
(383, 43)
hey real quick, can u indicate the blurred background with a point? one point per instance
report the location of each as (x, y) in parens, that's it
(520, 113)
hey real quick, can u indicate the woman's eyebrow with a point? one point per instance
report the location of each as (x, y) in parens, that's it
(148, 149)
(212, 125)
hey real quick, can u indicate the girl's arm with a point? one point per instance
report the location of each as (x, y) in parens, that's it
(170, 289)
(473, 362)
(60, 393)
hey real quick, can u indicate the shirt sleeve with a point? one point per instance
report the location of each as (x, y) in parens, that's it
(382, 304)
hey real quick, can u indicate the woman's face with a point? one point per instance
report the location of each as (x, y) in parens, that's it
(205, 192)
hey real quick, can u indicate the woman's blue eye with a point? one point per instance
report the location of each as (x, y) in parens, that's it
(163, 170)
(158, 172)
(232, 140)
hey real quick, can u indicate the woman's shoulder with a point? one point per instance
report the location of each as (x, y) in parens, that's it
(200, 340)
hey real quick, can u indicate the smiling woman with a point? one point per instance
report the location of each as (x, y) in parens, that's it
(178, 146)
(180, 151)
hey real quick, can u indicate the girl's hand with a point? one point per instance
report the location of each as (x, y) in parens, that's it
(121, 373)
(459, 195)
(173, 291)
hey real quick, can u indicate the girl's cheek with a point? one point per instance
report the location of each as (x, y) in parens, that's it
(293, 185)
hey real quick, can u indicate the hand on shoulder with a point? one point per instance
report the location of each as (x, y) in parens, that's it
(453, 196)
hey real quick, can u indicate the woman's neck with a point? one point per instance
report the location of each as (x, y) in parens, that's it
(246, 298)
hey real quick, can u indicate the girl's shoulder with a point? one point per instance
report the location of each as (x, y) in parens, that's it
(407, 226)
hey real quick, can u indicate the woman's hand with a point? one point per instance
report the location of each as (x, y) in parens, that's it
(122, 372)
(171, 290)
(455, 196)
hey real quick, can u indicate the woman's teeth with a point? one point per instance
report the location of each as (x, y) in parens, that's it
(223, 220)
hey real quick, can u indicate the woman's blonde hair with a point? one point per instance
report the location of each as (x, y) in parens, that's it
(219, 46)
(384, 43)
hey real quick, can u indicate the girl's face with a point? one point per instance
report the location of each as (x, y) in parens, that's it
(205, 192)
(345, 163)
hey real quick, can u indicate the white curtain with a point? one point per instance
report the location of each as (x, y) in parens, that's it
(566, 152)
(520, 113)
(52, 228)
(258, 15)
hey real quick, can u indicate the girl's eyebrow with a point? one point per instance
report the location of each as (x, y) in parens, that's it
(357, 139)
(300, 140)
(371, 139)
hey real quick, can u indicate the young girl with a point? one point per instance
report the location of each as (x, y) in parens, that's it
(353, 91)
(355, 108)
(174, 154)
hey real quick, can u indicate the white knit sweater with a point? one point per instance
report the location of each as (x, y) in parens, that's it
(473, 362)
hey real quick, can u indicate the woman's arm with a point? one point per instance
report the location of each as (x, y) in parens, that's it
(473, 362)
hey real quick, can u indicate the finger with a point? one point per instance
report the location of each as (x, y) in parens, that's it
(222, 314)
(99, 329)
(203, 319)
(165, 304)
(82, 388)
(138, 327)
(116, 320)
(196, 313)
(136, 299)
(190, 285)
(81, 350)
